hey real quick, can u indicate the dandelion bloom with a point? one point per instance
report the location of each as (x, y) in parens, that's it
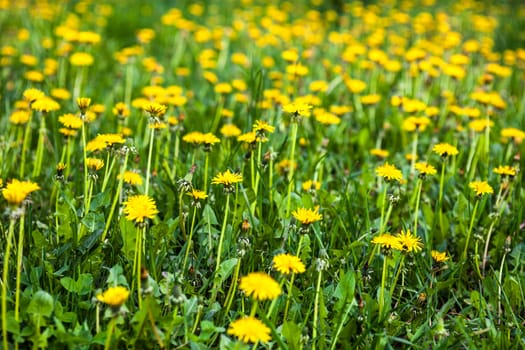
(209, 139)
(389, 172)
(307, 216)
(409, 241)
(298, 109)
(155, 109)
(16, 191)
(505, 170)
(114, 296)
(250, 330)
(425, 169)
(140, 207)
(83, 103)
(19, 117)
(286, 264)
(481, 187)
(387, 241)
(81, 59)
(310, 185)
(197, 194)
(32, 95)
(260, 286)
(45, 104)
(381, 153)
(226, 178)
(445, 150)
(230, 130)
(439, 257)
(262, 126)
(94, 163)
(70, 121)
(132, 178)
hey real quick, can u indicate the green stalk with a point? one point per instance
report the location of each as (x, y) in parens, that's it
(148, 170)
(382, 289)
(107, 173)
(40, 147)
(416, 210)
(206, 161)
(4, 280)
(182, 222)
(129, 84)
(291, 183)
(316, 308)
(381, 223)
(464, 255)
(20, 255)
(84, 154)
(288, 297)
(231, 292)
(25, 145)
(223, 230)
(111, 328)
(189, 242)
(115, 198)
(414, 151)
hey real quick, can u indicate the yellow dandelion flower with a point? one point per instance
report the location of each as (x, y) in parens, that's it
(114, 296)
(94, 163)
(439, 257)
(389, 172)
(262, 126)
(445, 150)
(226, 178)
(131, 177)
(45, 104)
(307, 216)
(16, 191)
(286, 264)
(381, 153)
(310, 185)
(81, 59)
(140, 207)
(260, 286)
(409, 242)
(19, 117)
(32, 95)
(155, 109)
(230, 130)
(83, 104)
(121, 110)
(481, 187)
(70, 121)
(387, 241)
(425, 169)
(250, 330)
(506, 170)
(298, 109)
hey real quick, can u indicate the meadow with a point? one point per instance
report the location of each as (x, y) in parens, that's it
(245, 174)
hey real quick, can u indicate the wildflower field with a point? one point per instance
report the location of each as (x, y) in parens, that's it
(262, 175)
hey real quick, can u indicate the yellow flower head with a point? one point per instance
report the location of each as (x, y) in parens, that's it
(16, 191)
(311, 185)
(250, 330)
(140, 207)
(114, 296)
(260, 286)
(262, 127)
(445, 150)
(230, 130)
(298, 109)
(197, 194)
(32, 95)
(226, 178)
(83, 104)
(19, 117)
(155, 109)
(409, 242)
(94, 163)
(425, 169)
(286, 264)
(81, 59)
(439, 257)
(132, 178)
(389, 172)
(307, 216)
(506, 170)
(387, 241)
(45, 104)
(70, 121)
(481, 187)
(121, 110)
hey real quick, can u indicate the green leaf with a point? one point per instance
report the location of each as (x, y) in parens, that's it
(129, 237)
(225, 270)
(292, 333)
(94, 221)
(344, 291)
(41, 304)
(208, 216)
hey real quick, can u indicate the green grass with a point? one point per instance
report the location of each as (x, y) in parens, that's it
(70, 240)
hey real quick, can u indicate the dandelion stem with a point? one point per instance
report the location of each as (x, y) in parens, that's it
(84, 154)
(189, 241)
(206, 162)
(416, 209)
(382, 289)
(472, 219)
(40, 146)
(25, 145)
(115, 198)
(223, 230)
(291, 181)
(316, 308)
(5, 274)
(109, 334)
(381, 223)
(20, 255)
(150, 152)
